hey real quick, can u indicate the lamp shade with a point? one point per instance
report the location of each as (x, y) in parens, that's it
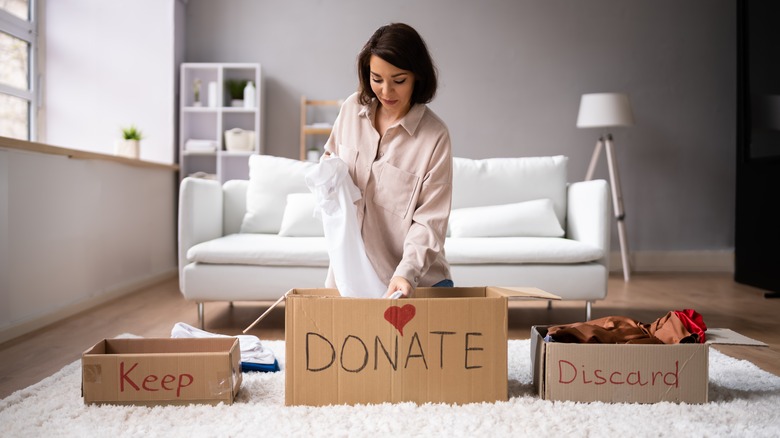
(604, 110)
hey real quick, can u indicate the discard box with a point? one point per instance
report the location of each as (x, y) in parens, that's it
(162, 371)
(444, 345)
(619, 372)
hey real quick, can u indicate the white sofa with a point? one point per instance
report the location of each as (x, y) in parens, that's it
(253, 240)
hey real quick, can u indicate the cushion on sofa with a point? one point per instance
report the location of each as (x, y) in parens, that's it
(261, 249)
(299, 219)
(271, 179)
(522, 219)
(497, 181)
(275, 250)
(510, 250)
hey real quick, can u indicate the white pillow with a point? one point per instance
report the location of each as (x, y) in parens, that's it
(498, 181)
(271, 179)
(298, 219)
(523, 219)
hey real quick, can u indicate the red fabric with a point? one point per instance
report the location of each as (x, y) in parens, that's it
(693, 322)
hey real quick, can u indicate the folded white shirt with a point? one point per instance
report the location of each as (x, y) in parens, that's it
(196, 145)
(252, 351)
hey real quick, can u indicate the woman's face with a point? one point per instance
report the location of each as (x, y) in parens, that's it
(392, 86)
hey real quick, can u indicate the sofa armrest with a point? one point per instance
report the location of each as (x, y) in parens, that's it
(588, 215)
(200, 214)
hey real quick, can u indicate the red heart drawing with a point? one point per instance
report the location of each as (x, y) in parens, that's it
(399, 316)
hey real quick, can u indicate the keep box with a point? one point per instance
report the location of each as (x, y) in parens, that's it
(445, 345)
(160, 371)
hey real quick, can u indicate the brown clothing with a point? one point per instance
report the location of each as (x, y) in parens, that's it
(622, 330)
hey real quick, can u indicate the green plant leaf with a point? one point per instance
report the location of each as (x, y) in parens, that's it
(132, 133)
(235, 87)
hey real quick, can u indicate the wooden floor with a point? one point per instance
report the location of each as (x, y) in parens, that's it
(151, 312)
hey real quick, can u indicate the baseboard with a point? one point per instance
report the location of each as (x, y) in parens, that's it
(24, 327)
(676, 261)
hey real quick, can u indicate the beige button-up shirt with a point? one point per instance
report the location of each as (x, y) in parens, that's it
(405, 178)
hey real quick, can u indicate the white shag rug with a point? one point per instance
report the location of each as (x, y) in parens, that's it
(744, 401)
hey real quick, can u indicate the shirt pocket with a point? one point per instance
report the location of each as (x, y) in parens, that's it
(395, 190)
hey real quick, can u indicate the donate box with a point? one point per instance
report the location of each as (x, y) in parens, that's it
(161, 371)
(445, 345)
(630, 373)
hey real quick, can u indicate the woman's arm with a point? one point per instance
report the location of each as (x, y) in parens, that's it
(425, 238)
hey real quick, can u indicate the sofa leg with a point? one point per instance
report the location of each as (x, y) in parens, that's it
(549, 304)
(231, 304)
(588, 309)
(201, 322)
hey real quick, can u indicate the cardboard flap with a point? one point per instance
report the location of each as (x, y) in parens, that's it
(724, 336)
(523, 292)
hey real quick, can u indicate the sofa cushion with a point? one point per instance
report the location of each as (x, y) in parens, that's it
(271, 179)
(475, 250)
(496, 181)
(299, 219)
(261, 249)
(522, 219)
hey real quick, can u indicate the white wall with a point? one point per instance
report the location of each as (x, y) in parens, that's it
(73, 231)
(110, 64)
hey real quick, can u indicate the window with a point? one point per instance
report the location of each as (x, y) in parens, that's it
(18, 90)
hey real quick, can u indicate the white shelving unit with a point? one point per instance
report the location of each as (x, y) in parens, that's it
(209, 120)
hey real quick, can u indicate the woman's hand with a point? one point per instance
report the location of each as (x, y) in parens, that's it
(400, 284)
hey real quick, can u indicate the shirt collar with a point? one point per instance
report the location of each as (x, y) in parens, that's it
(409, 122)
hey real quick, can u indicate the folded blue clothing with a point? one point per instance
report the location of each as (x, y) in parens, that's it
(262, 367)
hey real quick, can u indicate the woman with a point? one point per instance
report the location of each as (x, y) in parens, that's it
(399, 156)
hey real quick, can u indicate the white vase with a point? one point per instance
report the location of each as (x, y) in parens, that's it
(249, 95)
(127, 148)
(212, 94)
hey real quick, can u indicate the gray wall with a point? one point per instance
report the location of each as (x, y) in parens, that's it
(512, 73)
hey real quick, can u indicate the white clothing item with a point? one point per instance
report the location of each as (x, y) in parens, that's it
(252, 351)
(336, 195)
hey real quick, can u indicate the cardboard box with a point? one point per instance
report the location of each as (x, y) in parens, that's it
(444, 345)
(619, 372)
(161, 371)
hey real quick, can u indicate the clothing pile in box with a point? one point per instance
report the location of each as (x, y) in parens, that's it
(254, 357)
(676, 327)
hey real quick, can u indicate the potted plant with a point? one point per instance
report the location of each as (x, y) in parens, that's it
(196, 92)
(130, 144)
(235, 89)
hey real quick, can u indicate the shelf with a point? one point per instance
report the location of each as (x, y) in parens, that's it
(210, 123)
(236, 153)
(200, 109)
(238, 109)
(319, 109)
(316, 131)
(213, 153)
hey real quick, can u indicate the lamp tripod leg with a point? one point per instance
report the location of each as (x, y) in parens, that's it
(617, 201)
(594, 159)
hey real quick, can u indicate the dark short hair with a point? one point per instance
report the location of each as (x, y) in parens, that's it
(400, 45)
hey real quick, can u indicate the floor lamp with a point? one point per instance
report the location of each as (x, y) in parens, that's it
(608, 110)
